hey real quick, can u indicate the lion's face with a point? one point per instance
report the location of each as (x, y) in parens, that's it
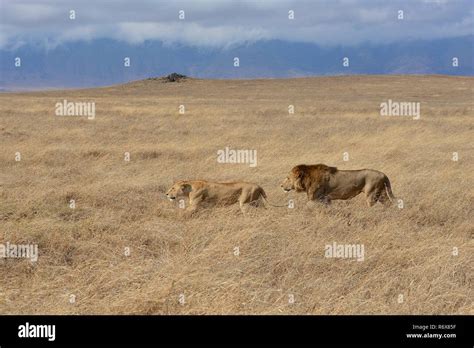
(177, 190)
(293, 181)
(288, 184)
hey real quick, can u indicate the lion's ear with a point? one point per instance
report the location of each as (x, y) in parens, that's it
(186, 187)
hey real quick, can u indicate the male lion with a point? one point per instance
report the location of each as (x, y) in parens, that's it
(324, 183)
(204, 193)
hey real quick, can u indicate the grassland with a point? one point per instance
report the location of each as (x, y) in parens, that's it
(120, 204)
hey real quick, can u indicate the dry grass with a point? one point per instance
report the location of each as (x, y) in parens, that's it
(120, 204)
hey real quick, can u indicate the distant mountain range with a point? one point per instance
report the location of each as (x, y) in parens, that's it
(101, 62)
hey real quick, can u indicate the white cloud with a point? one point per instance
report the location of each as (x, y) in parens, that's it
(190, 34)
(220, 23)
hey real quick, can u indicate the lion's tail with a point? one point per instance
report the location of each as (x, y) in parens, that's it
(388, 189)
(263, 195)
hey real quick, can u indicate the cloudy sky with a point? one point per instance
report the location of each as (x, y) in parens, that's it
(223, 23)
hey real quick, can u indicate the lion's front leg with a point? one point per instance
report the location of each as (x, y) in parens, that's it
(318, 195)
(311, 193)
(325, 200)
(195, 203)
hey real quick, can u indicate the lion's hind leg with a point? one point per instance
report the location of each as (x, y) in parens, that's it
(246, 206)
(326, 201)
(245, 201)
(372, 197)
(257, 203)
(256, 198)
(242, 207)
(377, 194)
(371, 201)
(384, 199)
(373, 194)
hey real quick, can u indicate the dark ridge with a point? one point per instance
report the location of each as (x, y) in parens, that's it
(173, 77)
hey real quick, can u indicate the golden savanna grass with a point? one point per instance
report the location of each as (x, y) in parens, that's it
(121, 204)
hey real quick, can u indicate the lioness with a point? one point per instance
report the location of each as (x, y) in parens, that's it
(324, 183)
(202, 193)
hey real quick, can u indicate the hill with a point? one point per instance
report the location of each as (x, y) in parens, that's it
(100, 62)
